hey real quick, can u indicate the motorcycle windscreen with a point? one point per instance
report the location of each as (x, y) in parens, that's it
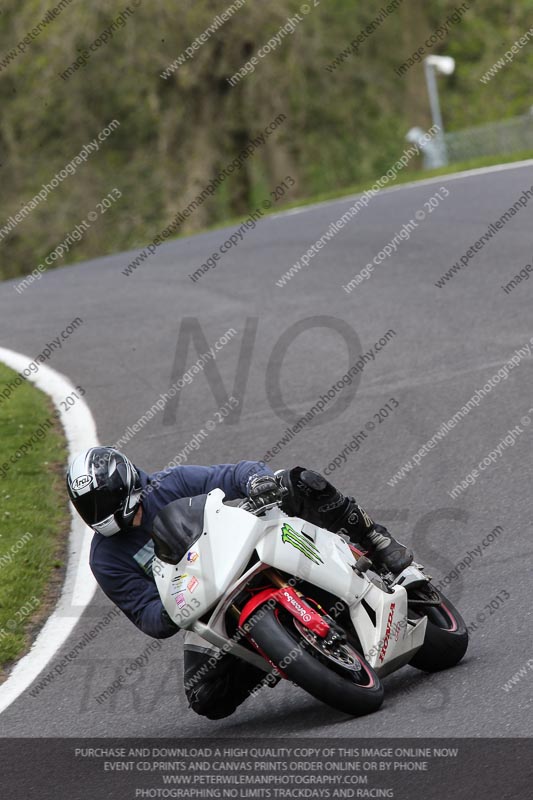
(177, 527)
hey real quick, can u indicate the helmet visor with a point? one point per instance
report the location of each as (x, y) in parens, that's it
(98, 505)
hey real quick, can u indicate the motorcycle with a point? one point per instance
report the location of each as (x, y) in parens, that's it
(299, 602)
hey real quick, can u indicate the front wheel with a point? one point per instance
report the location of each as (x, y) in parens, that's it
(337, 675)
(446, 637)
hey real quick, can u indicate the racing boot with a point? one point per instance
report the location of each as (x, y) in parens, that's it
(386, 551)
(217, 682)
(309, 495)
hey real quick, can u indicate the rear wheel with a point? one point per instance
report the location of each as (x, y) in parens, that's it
(336, 674)
(446, 639)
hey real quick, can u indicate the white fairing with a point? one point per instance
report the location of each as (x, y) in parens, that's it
(208, 574)
(210, 567)
(393, 640)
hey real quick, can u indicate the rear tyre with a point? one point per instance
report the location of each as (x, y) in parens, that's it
(446, 638)
(338, 676)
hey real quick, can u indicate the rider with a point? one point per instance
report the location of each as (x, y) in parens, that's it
(119, 502)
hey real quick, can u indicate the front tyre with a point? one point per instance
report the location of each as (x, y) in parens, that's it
(337, 675)
(446, 639)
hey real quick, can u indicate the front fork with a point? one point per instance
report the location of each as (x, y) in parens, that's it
(318, 622)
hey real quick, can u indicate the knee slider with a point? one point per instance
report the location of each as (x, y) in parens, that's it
(313, 480)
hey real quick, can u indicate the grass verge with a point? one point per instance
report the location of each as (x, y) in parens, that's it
(34, 517)
(406, 176)
(411, 177)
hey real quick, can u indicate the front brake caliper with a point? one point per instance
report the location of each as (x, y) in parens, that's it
(336, 634)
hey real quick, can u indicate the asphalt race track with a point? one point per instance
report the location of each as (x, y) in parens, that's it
(447, 343)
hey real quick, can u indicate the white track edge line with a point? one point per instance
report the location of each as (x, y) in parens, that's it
(412, 184)
(80, 431)
(79, 584)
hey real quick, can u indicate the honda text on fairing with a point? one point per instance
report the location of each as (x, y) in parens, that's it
(299, 602)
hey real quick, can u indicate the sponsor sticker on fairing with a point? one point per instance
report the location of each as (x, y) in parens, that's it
(178, 584)
(387, 632)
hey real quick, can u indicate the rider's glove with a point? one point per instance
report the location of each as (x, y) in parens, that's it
(263, 490)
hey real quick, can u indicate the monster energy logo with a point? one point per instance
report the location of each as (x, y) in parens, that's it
(301, 543)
